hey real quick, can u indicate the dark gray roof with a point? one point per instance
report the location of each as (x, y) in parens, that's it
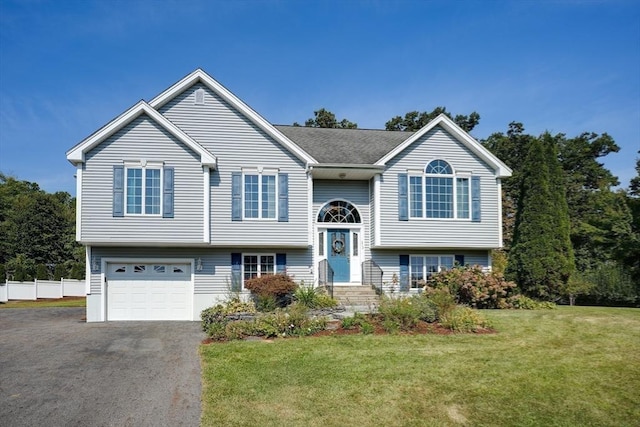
(344, 146)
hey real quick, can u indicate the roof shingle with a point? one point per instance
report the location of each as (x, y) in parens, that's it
(344, 146)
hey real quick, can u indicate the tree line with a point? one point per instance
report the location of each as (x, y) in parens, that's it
(38, 233)
(567, 232)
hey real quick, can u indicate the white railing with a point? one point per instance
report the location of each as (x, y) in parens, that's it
(11, 290)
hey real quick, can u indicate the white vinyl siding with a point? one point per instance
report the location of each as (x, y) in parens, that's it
(445, 232)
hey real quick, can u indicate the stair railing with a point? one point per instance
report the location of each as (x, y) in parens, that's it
(372, 275)
(325, 276)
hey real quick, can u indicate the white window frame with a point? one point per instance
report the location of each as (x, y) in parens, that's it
(454, 178)
(424, 265)
(260, 272)
(260, 173)
(143, 166)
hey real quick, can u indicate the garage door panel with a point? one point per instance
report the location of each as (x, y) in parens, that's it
(136, 297)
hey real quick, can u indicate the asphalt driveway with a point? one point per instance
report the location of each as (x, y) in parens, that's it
(58, 370)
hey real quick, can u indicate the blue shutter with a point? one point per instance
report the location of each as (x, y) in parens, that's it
(236, 196)
(475, 198)
(404, 273)
(403, 198)
(281, 263)
(283, 197)
(236, 272)
(118, 191)
(167, 193)
(459, 260)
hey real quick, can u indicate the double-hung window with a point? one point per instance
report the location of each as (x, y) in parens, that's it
(256, 265)
(143, 189)
(422, 267)
(438, 192)
(260, 195)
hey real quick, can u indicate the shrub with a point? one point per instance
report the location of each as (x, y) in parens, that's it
(399, 313)
(60, 271)
(470, 285)
(266, 303)
(464, 319)
(279, 286)
(231, 322)
(42, 273)
(525, 303)
(215, 319)
(358, 320)
(441, 298)
(312, 297)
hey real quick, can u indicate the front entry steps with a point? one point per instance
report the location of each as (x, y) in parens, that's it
(356, 296)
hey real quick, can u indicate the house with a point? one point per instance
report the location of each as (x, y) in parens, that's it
(183, 197)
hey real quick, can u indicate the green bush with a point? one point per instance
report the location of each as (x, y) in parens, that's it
(441, 298)
(471, 286)
(42, 273)
(464, 319)
(399, 313)
(221, 322)
(358, 320)
(522, 302)
(278, 286)
(60, 271)
(266, 303)
(313, 297)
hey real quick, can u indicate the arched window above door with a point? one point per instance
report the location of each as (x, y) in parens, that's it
(339, 211)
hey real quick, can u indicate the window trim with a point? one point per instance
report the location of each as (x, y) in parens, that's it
(260, 173)
(423, 176)
(424, 265)
(259, 264)
(143, 166)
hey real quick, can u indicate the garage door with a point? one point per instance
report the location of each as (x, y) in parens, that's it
(148, 291)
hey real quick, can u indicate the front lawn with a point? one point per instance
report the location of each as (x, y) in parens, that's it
(568, 366)
(62, 302)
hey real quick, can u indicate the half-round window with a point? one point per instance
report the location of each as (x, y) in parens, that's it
(340, 212)
(439, 167)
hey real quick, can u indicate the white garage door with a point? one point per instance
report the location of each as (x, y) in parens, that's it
(148, 291)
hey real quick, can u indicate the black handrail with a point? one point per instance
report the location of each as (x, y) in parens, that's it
(325, 276)
(372, 275)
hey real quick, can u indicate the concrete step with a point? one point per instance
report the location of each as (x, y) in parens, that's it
(356, 295)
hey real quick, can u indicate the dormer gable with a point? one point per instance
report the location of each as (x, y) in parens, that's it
(77, 154)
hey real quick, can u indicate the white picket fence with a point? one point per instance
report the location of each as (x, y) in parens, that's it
(11, 290)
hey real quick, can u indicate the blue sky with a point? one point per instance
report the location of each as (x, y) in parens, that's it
(68, 67)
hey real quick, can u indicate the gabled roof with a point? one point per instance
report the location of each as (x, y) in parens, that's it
(77, 154)
(344, 146)
(200, 76)
(454, 130)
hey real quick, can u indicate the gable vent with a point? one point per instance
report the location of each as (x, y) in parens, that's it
(199, 97)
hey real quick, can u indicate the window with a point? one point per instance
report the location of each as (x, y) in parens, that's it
(260, 196)
(422, 267)
(432, 194)
(258, 265)
(340, 212)
(143, 195)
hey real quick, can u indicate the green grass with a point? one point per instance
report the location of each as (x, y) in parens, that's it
(64, 302)
(574, 366)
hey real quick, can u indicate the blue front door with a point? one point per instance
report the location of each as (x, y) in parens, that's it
(339, 254)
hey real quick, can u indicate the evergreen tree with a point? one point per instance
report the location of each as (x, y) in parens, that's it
(541, 258)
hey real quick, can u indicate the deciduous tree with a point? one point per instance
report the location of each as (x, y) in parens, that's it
(414, 120)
